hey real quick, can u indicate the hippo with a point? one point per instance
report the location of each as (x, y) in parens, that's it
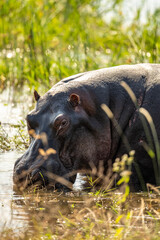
(70, 132)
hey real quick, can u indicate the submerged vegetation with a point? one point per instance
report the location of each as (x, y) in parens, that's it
(40, 43)
(80, 215)
(88, 216)
(19, 139)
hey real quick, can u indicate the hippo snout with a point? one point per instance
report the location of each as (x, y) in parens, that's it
(39, 172)
(25, 175)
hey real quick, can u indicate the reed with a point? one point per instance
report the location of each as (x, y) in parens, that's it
(43, 41)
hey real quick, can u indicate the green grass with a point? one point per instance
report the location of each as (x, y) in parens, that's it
(19, 139)
(43, 41)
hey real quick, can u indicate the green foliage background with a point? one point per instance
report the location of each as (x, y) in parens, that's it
(43, 41)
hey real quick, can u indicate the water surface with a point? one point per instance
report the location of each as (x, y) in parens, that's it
(11, 215)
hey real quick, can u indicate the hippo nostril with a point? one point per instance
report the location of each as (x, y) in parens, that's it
(21, 179)
(34, 174)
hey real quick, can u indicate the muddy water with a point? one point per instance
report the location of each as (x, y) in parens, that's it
(11, 216)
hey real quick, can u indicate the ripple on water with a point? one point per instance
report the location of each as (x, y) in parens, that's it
(13, 217)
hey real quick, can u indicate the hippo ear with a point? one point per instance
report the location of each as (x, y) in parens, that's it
(74, 99)
(36, 95)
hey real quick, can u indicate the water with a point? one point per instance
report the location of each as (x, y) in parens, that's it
(12, 216)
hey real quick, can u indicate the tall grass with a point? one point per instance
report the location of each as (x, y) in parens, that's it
(43, 41)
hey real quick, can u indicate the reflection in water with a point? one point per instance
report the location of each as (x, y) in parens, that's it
(11, 216)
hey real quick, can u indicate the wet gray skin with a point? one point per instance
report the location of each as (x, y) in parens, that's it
(57, 134)
(45, 127)
(71, 132)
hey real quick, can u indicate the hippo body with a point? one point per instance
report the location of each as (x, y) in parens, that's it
(74, 124)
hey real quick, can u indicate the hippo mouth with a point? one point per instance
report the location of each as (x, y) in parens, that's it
(41, 176)
(40, 179)
(36, 178)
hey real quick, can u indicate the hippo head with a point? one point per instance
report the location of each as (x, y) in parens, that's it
(62, 141)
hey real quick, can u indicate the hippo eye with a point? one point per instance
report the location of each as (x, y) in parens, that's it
(64, 122)
(61, 124)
